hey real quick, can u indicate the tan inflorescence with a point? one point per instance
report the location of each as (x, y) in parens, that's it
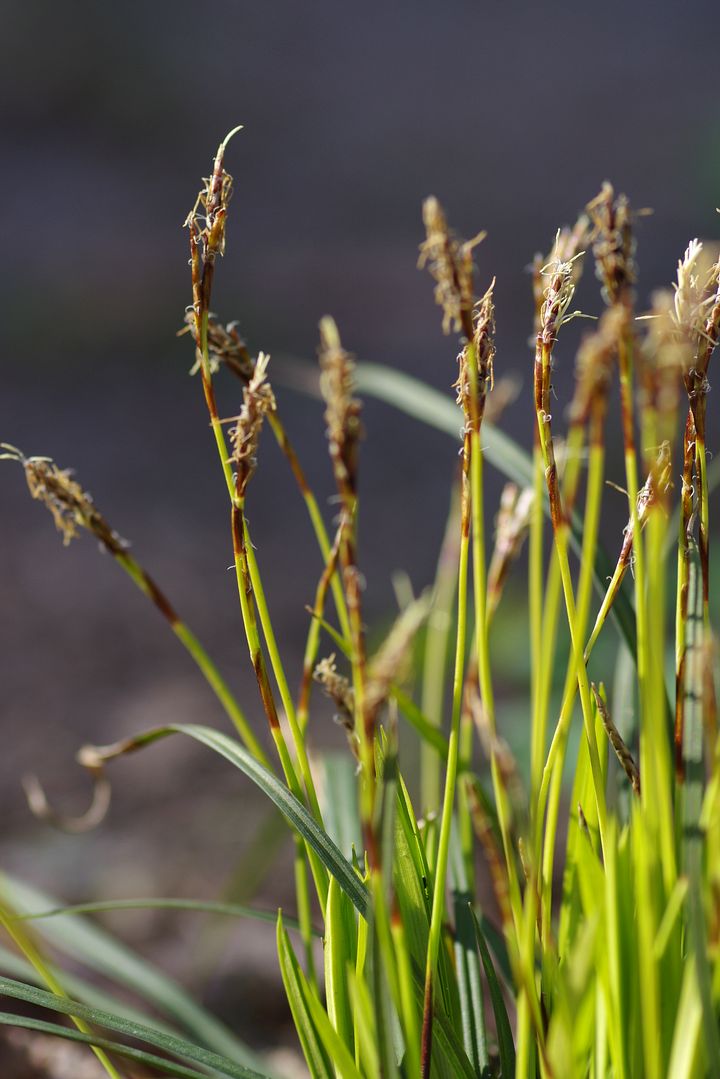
(258, 399)
(342, 411)
(450, 262)
(613, 243)
(71, 507)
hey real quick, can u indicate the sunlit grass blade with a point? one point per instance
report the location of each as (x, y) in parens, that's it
(199, 906)
(168, 1043)
(339, 798)
(298, 992)
(148, 1060)
(293, 810)
(83, 941)
(506, 1045)
(467, 963)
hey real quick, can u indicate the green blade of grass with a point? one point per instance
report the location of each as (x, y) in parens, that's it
(693, 839)
(506, 1046)
(168, 1043)
(97, 949)
(150, 1060)
(14, 966)
(293, 810)
(340, 808)
(297, 992)
(202, 906)
(467, 963)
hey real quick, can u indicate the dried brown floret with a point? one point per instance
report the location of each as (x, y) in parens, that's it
(208, 228)
(450, 262)
(225, 346)
(342, 413)
(613, 243)
(338, 689)
(554, 313)
(258, 399)
(483, 343)
(622, 752)
(595, 360)
(387, 664)
(71, 507)
(511, 528)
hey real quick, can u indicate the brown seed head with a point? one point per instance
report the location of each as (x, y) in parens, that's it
(511, 527)
(208, 227)
(342, 412)
(595, 360)
(613, 243)
(388, 663)
(258, 399)
(71, 507)
(339, 690)
(450, 263)
(225, 346)
(697, 301)
(483, 339)
(561, 278)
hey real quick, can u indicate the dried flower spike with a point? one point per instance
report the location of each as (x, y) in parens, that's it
(70, 506)
(338, 689)
(613, 243)
(342, 413)
(483, 343)
(258, 399)
(450, 262)
(511, 528)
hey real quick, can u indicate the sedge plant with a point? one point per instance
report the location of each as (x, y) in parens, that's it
(598, 954)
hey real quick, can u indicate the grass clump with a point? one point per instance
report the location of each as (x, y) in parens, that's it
(617, 973)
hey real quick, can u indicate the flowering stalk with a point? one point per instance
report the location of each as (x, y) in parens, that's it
(558, 297)
(73, 508)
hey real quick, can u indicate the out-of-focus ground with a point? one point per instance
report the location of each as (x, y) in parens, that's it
(512, 114)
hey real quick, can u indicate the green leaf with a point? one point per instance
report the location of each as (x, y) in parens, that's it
(168, 1043)
(340, 953)
(296, 990)
(150, 1060)
(293, 810)
(202, 906)
(692, 800)
(83, 941)
(467, 963)
(506, 1046)
(340, 810)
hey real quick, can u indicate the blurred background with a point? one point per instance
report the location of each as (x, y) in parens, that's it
(512, 114)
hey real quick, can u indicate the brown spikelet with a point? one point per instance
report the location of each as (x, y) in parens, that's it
(225, 347)
(613, 243)
(511, 528)
(258, 399)
(595, 360)
(388, 662)
(338, 689)
(450, 263)
(483, 344)
(622, 752)
(207, 219)
(561, 278)
(71, 507)
(342, 412)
